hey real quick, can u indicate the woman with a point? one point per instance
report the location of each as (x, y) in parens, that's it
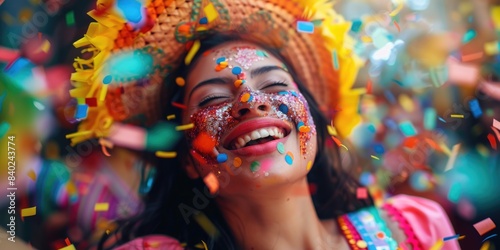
(256, 168)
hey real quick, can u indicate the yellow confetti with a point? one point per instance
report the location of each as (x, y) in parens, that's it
(102, 94)
(192, 52)
(398, 8)
(210, 12)
(438, 245)
(309, 165)
(32, 175)
(101, 207)
(163, 154)
(445, 148)
(344, 147)
(206, 224)
(453, 157)
(406, 103)
(70, 247)
(331, 130)
(184, 127)
(457, 116)
(374, 157)
(45, 47)
(485, 246)
(81, 133)
(30, 211)
(170, 117)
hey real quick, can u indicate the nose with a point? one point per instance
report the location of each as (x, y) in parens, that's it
(245, 110)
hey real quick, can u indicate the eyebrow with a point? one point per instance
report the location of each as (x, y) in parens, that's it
(224, 80)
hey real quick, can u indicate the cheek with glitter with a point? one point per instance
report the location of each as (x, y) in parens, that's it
(215, 120)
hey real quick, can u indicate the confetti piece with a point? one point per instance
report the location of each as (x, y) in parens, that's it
(451, 237)
(67, 241)
(281, 147)
(406, 103)
(193, 50)
(407, 128)
(254, 166)
(497, 133)
(70, 247)
(26, 212)
(245, 97)
(70, 18)
(441, 119)
(496, 124)
(180, 81)
(170, 117)
(45, 47)
(4, 127)
(211, 182)
(390, 97)
(210, 12)
(32, 175)
(14, 67)
(305, 27)
(398, 8)
(331, 130)
(184, 127)
(430, 118)
(468, 36)
(493, 142)
(204, 143)
(131, 9)
(107, 79)
(475, 108)
(485, 246)
(128, 136)
(361, 193)
(163, 154)
(206, 224)
(283, 108)
(492, 48)
(356, 25)
(81, 111)
(489, 237)
(374, 157)
(179, 105)
(438, 245)
(369, 87)
(397, 25)
(472, 57)
(456, 116)
(309, 165)
(453, 156)
(335, 59)
(221, 158)
(101, 207)
(484, 226)
(342, 145)
(237, 161)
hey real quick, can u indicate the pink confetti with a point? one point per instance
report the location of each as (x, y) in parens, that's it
(362, 193)
(462, 74)
(496, 124)
(484, 226)
(128, 136)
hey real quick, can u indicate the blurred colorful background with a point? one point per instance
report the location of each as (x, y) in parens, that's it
(429, 125)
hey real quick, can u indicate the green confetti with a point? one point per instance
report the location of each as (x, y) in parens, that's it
(468, 36)
(162, 137)
(70, 18)
(255, 166)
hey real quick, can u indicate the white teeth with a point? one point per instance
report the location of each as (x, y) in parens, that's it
(257, 134)
(263, 133)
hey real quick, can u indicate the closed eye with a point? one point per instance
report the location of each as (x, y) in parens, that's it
(284, 84)
(208, 99)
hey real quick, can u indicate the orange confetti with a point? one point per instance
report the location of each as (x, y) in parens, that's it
(32, 175)
(410, 142)
(204, 143)
(472, 57)
(369, 86)
(337, 141)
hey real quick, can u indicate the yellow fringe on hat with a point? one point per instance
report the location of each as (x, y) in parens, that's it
(335, 33)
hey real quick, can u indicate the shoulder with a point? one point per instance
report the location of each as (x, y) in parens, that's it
(422, 219)
(157, 242)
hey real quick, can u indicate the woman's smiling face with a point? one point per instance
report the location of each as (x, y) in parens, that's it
(252, 127)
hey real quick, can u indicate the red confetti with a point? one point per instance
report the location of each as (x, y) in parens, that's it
(204, 143)
(179, 105)
(492, 140)
(369, 86)
(362, 193)
(397, 26)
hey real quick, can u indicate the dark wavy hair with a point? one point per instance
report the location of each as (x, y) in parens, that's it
(335, 195)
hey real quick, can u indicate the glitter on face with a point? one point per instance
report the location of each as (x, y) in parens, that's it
(244, 56)
(216, 120)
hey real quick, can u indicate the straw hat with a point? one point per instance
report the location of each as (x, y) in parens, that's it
(133, 46)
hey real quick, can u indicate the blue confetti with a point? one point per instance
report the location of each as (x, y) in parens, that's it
(356, 25)
(81, 111)
(305, 27)
(17, 65)
(430, 119)
(204, 20)
(441, 119)
(220, 59)
(221, 158)
(283, 108)
(475, 108)
(107, 79)
(131, 10)
(390, 97)
(288, 159)
(236, 70)
(407, 128)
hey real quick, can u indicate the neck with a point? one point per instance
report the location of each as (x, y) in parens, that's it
(279, 218)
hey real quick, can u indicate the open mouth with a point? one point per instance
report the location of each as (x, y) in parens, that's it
(257, 137)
